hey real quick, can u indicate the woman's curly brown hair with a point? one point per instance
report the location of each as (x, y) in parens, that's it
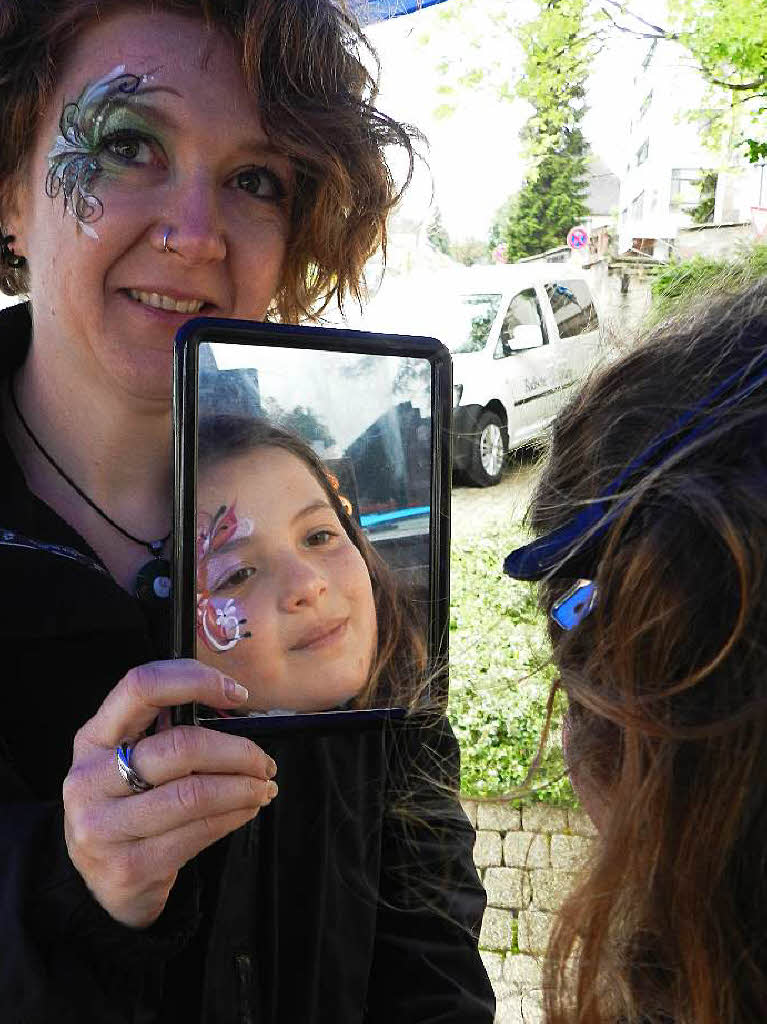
(305, 60)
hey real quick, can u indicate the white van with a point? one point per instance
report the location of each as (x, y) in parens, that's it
(520, 335)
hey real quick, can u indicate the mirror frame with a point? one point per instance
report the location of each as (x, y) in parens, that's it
(205, 330)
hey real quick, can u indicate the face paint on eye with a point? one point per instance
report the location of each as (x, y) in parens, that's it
(219, 620)
(74, 163)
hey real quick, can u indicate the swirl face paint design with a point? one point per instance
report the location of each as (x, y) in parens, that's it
(74, 162)
(219, 621)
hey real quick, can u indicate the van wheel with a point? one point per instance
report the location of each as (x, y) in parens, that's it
(487, 452)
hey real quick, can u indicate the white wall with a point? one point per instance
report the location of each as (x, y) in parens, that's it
(674, 87)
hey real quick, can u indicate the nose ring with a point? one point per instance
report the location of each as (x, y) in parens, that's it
(165, 237)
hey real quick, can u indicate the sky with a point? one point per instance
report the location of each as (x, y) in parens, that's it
(475, 155)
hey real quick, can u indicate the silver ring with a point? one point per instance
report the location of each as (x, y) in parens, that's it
(129, 774)
(165, 237)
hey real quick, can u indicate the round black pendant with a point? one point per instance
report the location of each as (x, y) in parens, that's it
(153, 582)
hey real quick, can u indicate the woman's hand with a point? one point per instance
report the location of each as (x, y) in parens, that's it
(130, 846)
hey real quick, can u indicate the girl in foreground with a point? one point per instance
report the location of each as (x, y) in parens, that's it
(653, 554)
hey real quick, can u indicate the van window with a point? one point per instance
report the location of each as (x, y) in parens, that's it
(573, 308)
(466, 321)
(523, 311)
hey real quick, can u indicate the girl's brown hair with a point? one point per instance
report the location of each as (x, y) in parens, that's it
(398, 672)
(305, 62)
(667, 682)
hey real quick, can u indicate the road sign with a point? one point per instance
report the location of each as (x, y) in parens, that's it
(759, 220)
(577, 238)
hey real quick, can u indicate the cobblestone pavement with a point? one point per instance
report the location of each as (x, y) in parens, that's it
(475, 509)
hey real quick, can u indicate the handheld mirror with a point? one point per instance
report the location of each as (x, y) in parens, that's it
(312, 521)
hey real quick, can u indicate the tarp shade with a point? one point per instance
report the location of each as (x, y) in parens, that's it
(369, 11)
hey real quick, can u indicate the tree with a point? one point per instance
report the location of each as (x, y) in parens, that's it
(469, 252)
(703, 211)
(728, 41)
(437, 235)
(548, 205)
(557, 49)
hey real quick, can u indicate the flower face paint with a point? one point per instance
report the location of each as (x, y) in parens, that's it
(78, 155)
(219, 621)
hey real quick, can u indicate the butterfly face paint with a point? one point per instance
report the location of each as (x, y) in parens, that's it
(219, 621)
(78, 157)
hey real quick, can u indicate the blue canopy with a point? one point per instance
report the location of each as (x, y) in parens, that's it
(369, 11)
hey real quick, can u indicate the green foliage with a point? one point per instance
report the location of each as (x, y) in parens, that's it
(558, 48)
(757, 151)
(469, 252)
(300, 420)
(728, 40)
(552, 200)
(476, 46)
(437, 235)
(703, 212)
(550, 204)
(500, 676)
(678, 285)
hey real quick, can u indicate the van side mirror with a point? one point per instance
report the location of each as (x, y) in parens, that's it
(525, 336)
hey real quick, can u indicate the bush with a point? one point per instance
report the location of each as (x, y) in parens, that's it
(500, 676)
(680, 284)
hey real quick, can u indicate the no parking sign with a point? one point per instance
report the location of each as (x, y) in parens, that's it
(577, 238)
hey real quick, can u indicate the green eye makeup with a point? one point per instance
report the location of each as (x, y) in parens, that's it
(75, 159)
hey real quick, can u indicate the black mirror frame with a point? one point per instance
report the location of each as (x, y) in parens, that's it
(204, 330)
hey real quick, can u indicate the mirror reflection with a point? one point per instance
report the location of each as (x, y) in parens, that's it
(313, 526)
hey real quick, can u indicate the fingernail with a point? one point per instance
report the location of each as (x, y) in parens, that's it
(271, 769)
(234, 691)
(271, 790)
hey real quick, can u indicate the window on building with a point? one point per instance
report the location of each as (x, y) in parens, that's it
(637, 207)
(573, 308)
(523, 311)
(643, 152)
(685, 185)
(646, 104)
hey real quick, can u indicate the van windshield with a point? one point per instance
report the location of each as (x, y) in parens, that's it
(465, 321)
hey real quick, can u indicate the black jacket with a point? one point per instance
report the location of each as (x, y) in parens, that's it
(352, 898)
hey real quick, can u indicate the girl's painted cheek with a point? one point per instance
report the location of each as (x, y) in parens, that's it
(220, 623)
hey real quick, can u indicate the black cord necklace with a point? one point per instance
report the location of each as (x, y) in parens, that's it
(153, 579)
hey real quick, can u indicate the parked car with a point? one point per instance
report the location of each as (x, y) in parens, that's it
(521, 336)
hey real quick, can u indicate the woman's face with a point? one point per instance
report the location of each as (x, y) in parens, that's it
(283, 570)
(164, 136)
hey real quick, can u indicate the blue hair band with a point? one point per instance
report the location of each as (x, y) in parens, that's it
(556, 554)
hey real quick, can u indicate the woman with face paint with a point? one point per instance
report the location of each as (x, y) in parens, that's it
(159, 161)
